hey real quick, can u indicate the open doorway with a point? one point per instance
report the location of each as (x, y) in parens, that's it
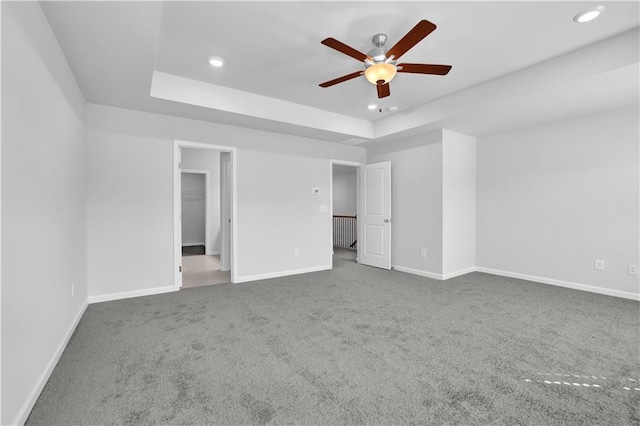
(368, 234)
(204, 208)
(344, 211)
(201, 219)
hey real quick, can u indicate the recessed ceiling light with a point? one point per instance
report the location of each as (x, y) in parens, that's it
(216, 62)
(372, 106)
(589, 14)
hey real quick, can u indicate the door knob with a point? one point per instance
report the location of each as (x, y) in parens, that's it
(387, 220)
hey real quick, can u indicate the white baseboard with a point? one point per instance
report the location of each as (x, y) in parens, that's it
(560, 283)
(281, 274)
(24, 412)
(542, 280)
(192, 244)
(434, 275)
(419, 272)
(212, 252)
(458, 272)
(129, 294)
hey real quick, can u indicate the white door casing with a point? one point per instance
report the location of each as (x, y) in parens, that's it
(375, 215)
(231, 186)
(225, 211)
(177, 187)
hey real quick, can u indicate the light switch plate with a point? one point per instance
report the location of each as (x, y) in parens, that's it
(323, 208)
(598, 264)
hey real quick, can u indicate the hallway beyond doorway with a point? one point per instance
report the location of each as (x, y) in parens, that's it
(342, 256)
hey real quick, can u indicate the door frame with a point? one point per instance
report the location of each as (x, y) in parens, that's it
(225, 211)
(207, 208)
(357, 166)
(177, 205)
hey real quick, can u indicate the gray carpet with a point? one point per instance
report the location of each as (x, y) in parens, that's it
(355, 345)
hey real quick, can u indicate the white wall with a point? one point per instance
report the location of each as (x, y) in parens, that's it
(344, 190)
(43, 205)
(416, 200)
(553, 198)
(277, 211)
(458, 202)
(203, 159)
(122, 217)
(193, 203)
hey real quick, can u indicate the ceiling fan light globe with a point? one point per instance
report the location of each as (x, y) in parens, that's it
(382, 71)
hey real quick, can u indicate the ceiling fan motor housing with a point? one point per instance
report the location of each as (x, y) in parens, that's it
(379, 54)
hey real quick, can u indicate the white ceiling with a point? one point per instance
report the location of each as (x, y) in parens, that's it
(274, 60)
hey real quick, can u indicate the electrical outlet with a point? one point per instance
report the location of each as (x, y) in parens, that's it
(296, 252)
(73, 289)
(598, 264)
(423, 252)
(632, 269)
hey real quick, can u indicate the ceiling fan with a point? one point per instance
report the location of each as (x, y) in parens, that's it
(380, 63)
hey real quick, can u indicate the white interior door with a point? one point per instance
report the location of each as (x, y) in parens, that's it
(374, 247)
(225, 210)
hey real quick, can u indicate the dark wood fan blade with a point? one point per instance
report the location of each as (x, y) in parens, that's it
(341, 79)
(417, 33)
(424, 69)
(383, 89)
(343, 48)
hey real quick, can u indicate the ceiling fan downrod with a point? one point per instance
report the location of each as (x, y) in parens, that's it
(379, 53)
